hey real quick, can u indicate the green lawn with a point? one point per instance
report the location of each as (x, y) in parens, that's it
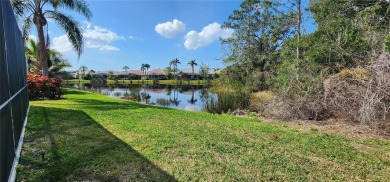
(93, 137)
(149, 82)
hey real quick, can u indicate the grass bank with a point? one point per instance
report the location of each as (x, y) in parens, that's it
(147, 82)
(93, 137)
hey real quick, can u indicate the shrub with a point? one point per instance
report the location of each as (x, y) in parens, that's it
(259, 100)
(41, 87)
(228, 100)
(361, 94)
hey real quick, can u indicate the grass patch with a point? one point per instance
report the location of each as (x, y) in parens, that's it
(93, 137)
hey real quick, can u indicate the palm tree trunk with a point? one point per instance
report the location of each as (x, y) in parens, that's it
(42, 53)
(174, 72)
(192, 76)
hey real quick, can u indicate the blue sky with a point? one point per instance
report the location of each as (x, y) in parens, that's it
(129, 32)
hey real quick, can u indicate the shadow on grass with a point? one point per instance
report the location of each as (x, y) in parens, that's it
(71, 91)
(68, 145)
(99, 104)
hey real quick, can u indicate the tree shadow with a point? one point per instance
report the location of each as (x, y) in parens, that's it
(68, 145)
(107, 105)
(98, 104)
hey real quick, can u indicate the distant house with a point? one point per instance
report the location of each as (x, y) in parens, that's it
(189, 75)
(102, 74)
(74, 74)
(157, 74)
(214, 74)
(130, 74)
(135, 74)
(121, 74)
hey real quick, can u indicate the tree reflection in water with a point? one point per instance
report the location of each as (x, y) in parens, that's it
(162, 95)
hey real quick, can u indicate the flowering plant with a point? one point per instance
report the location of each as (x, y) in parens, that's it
(43, 86)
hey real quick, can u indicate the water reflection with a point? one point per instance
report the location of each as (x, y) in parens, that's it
(186, 97)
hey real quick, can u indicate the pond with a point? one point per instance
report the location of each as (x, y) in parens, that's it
(185, 97)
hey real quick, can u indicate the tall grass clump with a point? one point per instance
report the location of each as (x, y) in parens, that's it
(228, 99)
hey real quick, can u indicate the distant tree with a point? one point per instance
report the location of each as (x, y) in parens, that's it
(192, 63)
(168, 72)
(253, 52)
(182, 75)
(147, 66)
(38, 11)
(83, 69)
(111, 75)
(92, 72)
(174, 63)
(126, 68)
(204, 71)
(143, 68)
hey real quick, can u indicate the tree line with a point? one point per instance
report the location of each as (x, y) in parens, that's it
(270, 50)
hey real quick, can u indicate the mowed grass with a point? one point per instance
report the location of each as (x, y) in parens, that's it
(87, 137)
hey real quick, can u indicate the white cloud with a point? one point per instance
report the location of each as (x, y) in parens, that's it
(98, 36)
(170, 29)
(94, 37)
(209, 33)
(108, 48)
(131, 37)
(62, 44)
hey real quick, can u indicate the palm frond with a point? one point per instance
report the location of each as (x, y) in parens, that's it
(80, 6)
(55, 4)
(33, 46)
(71, 28)
(58, 62)
(26, 27)
(20, 8)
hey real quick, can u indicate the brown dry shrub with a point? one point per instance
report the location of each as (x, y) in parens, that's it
(258, 101)
(306, 108)
(360, 94)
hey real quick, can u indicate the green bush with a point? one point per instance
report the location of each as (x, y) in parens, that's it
(386, 43)
(228, 100)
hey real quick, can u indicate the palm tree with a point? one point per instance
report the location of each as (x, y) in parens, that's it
(174, 62)
(38, 11)
(192, 63)
(143, 68)
(83, 69)
(147, 66)
(56, 61)
(126, 68)
(31, 54)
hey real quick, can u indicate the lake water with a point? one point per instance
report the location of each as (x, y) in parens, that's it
(186, 97)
